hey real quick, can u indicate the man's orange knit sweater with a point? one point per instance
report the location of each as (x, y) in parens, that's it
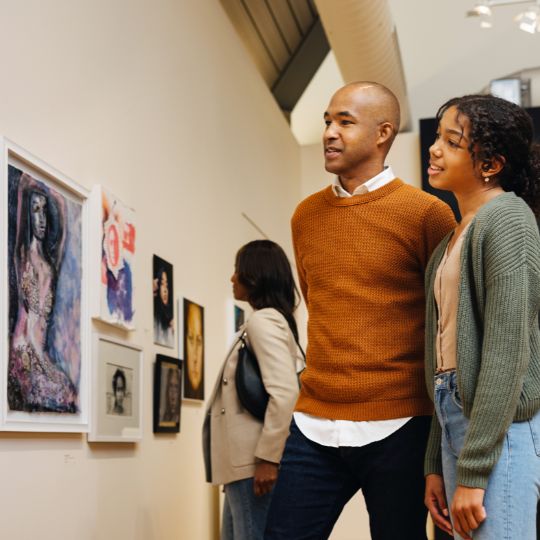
(361, 264)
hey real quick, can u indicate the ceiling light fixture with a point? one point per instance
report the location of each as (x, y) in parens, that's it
(481, 8)
(528, 20)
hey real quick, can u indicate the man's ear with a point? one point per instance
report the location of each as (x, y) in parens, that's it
(386, 132)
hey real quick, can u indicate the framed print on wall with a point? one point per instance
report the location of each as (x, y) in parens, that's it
(239, 318)
(193, 315)
(117, 391)
(162, 288)
(45, 320)
(112, 257)
(167, 394)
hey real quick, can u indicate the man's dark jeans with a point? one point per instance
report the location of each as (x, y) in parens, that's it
(315, 482)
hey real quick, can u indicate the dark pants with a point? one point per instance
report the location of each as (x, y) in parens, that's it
(315, 482)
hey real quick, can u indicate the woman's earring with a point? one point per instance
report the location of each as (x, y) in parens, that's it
(486, 179)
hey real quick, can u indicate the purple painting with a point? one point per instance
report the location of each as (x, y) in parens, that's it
(44, 264)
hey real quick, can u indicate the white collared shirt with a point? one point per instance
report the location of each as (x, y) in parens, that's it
(378, 181)
(338, 433)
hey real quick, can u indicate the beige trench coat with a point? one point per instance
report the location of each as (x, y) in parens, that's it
(232, 438)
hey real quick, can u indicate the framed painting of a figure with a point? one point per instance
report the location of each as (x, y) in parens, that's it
(193, 315)
(112, 256)
(117, 391)
(167, 394)
(162, 288)
(45, 328)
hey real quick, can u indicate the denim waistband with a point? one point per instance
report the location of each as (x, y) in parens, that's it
(445, 380)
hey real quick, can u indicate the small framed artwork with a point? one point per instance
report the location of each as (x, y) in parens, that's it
(167, 394)
(45, 323)
(239, 318)
(162, 287)
(117, 391)
(112, 258)
(193, 350)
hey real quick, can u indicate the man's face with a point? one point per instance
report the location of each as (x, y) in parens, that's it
(351, 133)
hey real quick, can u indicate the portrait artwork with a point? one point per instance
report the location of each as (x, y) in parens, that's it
(167, 394)
(117, 237)
(193, 350)
(44, 261)
(162, 287)
(119, 393)
(239, 318)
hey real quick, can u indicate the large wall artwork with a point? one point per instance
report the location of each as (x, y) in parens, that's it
(114, 248)
(44, 366)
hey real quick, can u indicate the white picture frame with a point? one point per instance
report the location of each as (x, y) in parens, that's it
(112, 259)
(44, 366)
(112, 421)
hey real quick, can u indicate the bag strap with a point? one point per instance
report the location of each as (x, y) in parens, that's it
(243, 337)
(243, 340)
(300, 347)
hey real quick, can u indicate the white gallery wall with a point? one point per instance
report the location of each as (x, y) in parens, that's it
(158, 101)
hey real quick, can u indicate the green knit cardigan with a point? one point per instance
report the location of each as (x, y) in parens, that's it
(498, 338)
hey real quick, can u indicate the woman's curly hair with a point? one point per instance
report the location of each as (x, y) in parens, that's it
(501, 129)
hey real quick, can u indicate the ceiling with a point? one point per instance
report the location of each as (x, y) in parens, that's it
(443, 53)
(286, 41)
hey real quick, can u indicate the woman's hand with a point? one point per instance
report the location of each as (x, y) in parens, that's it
(265, 477)
(468, 510)
(435, 500)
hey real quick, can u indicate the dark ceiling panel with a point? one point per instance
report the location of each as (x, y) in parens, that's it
(286, 41)
(252, 40)
(270, 33)
(303, 65)
(303, 12)
(286, 21)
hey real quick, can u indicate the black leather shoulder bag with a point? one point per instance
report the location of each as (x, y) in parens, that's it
(249, 384)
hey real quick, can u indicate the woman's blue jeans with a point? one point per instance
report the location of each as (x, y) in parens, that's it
(514, 484)
(244, 514)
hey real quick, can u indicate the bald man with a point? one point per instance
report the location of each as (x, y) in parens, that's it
(363, 415)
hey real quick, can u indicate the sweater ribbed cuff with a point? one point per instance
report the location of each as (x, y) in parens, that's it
(432, 466)
(471, 479)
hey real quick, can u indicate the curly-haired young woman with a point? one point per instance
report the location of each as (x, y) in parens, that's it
(482, 334)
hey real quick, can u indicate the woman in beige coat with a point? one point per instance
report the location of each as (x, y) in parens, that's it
(241, 452)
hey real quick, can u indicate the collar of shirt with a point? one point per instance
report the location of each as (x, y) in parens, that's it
(383, 178)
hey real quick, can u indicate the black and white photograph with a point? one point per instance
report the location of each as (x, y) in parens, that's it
(119, 393)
